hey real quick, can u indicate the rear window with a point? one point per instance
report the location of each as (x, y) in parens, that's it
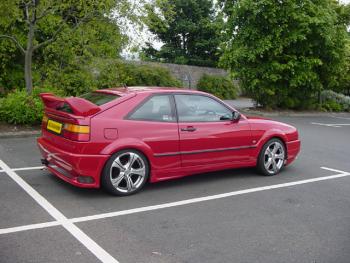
(99, 98)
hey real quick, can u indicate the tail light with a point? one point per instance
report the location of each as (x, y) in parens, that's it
(75, 132)
(45, 119)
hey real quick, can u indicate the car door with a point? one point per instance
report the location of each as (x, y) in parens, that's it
(208, 136)
(154, 123)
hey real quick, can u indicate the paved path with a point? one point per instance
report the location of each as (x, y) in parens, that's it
(300, 215)
(241, 103)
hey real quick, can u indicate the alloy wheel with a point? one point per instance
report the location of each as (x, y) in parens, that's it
(274, 157)
(127, 172)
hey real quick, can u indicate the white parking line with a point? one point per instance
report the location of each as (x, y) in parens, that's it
(343, 118)
(339, 174)
(25, 168)
(334, 170)
(29, 227)
(91, 245)
(334, 125)
(211, 197)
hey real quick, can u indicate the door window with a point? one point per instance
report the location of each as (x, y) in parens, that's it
(157, 108)
(197, 108)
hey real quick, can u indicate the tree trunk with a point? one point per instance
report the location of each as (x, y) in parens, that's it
(28, 57)
(28, 71)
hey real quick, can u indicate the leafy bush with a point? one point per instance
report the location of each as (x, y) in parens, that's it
(72, 80)
(19, 108)
(333, 101)
(117, 73)
(150, 76)
(111, 74)
(280, 52)
(221, 87)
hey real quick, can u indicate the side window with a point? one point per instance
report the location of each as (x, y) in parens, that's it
(197, 108)
(156, 108)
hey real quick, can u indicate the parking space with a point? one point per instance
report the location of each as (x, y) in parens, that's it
(301, 215)
(43, 245)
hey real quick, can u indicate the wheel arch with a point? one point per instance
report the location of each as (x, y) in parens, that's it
(269, 135)
(130, 145)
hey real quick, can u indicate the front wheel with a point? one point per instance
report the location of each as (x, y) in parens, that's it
(125, 173)
(272, 157)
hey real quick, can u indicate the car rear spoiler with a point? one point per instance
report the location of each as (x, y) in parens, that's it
(79, 106)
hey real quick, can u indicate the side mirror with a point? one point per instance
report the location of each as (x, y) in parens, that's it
(236, 116)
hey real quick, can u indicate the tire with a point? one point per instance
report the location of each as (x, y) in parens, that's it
(272, 157)
(125, 173)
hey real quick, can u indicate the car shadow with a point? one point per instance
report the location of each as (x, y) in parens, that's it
(203, 180)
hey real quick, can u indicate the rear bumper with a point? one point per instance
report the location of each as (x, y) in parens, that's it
(293, 149)
(75, 169)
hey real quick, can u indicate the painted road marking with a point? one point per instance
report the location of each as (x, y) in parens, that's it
(343, 118)
(25, 168)
(211, 197)
(91, 245)
(334, 125)
(29, 227)
(339, 174)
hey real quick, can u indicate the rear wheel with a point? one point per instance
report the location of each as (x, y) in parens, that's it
(125, 173)
(272, 157)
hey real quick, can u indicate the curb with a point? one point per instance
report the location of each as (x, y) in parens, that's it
(19, 134)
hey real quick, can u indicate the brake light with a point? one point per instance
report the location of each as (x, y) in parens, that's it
(44, 121)
(45, 118)
(75, 132)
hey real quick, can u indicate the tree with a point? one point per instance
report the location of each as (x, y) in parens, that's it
(285, 52)
(69, 62)
(34, 24)
(189, 30)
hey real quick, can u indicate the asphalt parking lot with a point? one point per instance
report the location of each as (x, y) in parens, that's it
(300, 215)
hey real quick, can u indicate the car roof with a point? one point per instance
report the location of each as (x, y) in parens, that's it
(142, 89)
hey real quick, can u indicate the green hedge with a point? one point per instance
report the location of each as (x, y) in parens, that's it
(221, 87)
(117, 73)
(19, 108)
(141, 75)
(107, 74)
(333, 101)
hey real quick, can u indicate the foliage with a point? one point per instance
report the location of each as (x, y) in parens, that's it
(221, 87)
(26, 27)
(285, 52)
(344, 82)
(67, 62)
(114, 73)
(72, 80)
(143, 75)
(189, 29)
(335, 101)
(111, 73)
(19, 108)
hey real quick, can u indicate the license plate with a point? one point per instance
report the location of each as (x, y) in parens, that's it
(54, 126)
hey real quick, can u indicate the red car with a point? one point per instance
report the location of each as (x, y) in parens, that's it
(122, 138)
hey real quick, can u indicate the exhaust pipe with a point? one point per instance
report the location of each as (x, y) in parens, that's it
(44, 162)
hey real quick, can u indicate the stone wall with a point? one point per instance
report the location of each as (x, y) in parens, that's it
(188, 75)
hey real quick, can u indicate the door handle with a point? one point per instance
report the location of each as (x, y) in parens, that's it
(189, 129)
